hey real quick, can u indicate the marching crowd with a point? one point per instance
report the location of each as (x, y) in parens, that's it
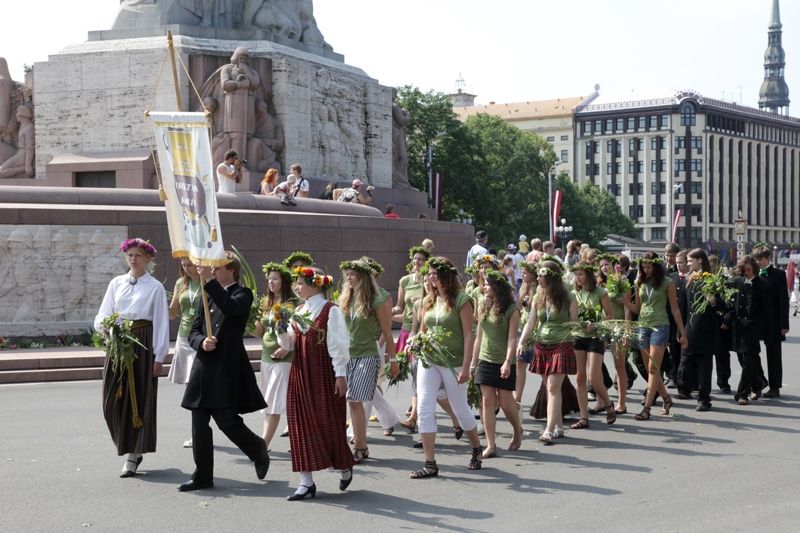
(671, 318)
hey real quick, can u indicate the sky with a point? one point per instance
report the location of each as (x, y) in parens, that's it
(505, 50)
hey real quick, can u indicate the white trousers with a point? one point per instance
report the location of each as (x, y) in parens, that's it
(387, 416)
(428, 382)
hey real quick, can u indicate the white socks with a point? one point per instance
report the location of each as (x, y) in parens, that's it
(306, 480)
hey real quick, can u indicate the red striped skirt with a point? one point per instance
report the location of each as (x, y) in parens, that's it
(554, 359)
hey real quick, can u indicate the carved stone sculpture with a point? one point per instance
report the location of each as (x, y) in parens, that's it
(16, 127)
(6, 88)
(23, 160)
(400, 118)
(266, 144)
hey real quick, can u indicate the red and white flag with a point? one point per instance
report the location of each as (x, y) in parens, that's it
(556, 202)
(676, 218)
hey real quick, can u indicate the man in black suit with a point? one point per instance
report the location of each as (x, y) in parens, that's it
(777, 325)
(675, 375)
(222, 384)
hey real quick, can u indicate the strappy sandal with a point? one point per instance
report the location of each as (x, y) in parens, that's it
(388, 432)
(359, 454)
(558, 433)
(667, 405)
(475, 462)
(600, 409)
(458, 432)
(583, 423)
(410, 423)
(547, 437)
(611, 414)
(429, 470)
(644, 415)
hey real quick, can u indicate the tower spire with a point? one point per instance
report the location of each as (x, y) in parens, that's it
(774, 93)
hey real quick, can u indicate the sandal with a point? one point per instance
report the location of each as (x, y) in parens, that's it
(475, 462)
(644, 415)
(611, 414)
(410, 423)
(359, 454)
(583, 423)
(558, 433)
(388, 432)
(489, 454)
(429, 470)
(458, 432)
(667, 404)
(410, 409)
(515, 444)
(547, 437)
(600, 409)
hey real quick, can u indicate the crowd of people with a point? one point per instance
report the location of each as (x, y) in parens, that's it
(466, 348)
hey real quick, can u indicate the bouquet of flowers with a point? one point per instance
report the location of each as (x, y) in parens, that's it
(118, 342)
(617, 285)
(404, 363)
(613, 331)
(277, 319)
(474, 396)
(718, 285)
(590, 313)
(428, 348)
(3, 342)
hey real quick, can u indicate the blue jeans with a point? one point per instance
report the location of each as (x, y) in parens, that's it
(657, 336)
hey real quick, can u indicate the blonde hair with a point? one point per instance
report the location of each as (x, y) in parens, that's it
(361, 296)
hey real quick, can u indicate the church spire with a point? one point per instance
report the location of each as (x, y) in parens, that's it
(774, 93)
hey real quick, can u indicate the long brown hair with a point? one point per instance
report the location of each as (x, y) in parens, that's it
(528, 289)
(270, 177)
(448, 282)
(658, 272)
(552, 289)
(503, 298)
(286, 291)
(184, 277)
(362, 295)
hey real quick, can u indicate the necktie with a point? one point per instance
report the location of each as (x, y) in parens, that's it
(762, 272)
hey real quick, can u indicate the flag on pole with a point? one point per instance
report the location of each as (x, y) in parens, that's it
(557, 196)
(676, 219)
(184, 160)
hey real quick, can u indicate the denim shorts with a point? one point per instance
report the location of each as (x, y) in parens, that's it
(646, 337)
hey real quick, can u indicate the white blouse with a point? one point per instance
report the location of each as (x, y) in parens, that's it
(337, 337)
(147, 300)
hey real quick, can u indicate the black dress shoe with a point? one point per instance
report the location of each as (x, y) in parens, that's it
(344, 483)
(312, 490)
(772, 393)
(417, 444)
(285, 433)
(703, 407)
(262, 463)
(131, 473)
(192, 485)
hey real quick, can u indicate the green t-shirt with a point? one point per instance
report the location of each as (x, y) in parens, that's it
(618, 308)
(269, 341)
(188, 300)
(494, 337)
(470, 285)
(551, 329)
(411, 289)
(449, 321)
(365, 332)
(589, 299)
(654, 304)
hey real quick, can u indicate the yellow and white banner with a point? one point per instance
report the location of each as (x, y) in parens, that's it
(187, 174)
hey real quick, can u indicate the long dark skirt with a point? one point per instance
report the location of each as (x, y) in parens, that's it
(569, 400)
(118, 412)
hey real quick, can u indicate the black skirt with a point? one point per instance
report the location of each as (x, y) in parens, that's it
(489, 374)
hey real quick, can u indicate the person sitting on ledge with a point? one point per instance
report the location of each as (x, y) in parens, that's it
(389, 210)
(353, 194)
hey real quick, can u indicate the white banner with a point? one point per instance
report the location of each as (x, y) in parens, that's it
(187, 173)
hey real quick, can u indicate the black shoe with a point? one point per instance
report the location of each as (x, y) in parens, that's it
(703, 407)
(291, 201)
(285, 202)
(131, 473)
(192, 485)
(262, 463)
(312, 490)
(726, 389)
(417, 444)
(772, 393)
(285, 433)
(344, 483)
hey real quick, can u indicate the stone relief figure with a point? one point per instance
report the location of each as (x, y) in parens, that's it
(220, 141)
(206, 13)
(22, 162)
(31, 283)
(12, 96)
(400, 118)
(6, 88)
(101, 265)
(266, 144)
(68, 267)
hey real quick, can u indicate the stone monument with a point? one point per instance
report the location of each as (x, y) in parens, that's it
(17, 139)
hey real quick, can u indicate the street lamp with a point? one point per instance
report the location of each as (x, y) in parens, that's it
(550, 197)
(430, 166)
(563, 232)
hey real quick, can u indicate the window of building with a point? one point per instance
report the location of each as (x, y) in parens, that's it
(653, 122)
(609, 168)
(662, 210)
(697, 233)
(658, 142)
(596, 147)
(620, 124)
(636, 188)
(565, 137)
(697, 144)
(598, 127)
(664, 121)
(640, 234)
(697, 211)
(631, 146)
(642, 123)
(614, 190)
(696, 187)
(631, 124)
(640, 146)
(589, 150)
(631, 167)
(551, 139)
(635, 211)
(564, 156)
(658, 186)
(677, 188)
(681, 234)
(680, 165)
(697, 167)
(587, 126)
(659, 233)
(680, 142)
(663, 165)
(640, 166)
(688, 114)
(589, 170)
(596, 169)
(609, 146)
(609, 126)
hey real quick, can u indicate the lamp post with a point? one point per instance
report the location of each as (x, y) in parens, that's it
(430, 166)
(550, 197)
(563, 232)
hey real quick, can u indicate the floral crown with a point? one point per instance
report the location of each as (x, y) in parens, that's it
(312, 278)
(611, 258)
(136, 242)
(762, 244)
(418, 250)
(530, 267)
(545, 271)
(284, 272)
(376, 267)
(437, 265)
(653, 261)
(298, 256)
(499, 278)
(585, 268)
(358, 266)
(471, 270)
(488, 258)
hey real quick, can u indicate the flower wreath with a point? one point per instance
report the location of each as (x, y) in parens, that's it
(312, 278)
(544, 271)
(762, 244)
(488, 258)
(437, 265)
(295, 256)
(376, 267)
(654, 261)
(136, 242)
(499, 278)
(286, 275)
(585, 268)
(471, 270)
(611, 258)
(358, 266)
(418, 250)
(530, 267)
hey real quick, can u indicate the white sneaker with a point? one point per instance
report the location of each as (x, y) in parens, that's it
(188, 444)
(481, 431)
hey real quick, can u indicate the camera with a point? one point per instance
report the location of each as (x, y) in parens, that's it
(244, 161)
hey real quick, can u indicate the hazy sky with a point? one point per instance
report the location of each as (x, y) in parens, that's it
(506, 50)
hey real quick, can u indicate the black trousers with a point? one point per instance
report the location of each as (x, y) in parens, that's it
(723, 365)
(701, 366)
(749, 380)
(675, 360)
(232, 425)
(774, 365)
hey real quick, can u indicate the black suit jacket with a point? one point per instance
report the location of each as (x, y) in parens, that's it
(223, 378)
(680, 286)
(778, 304)
(702, 330)
(748, 317)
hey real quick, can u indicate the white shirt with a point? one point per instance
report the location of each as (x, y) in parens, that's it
(226, 185)
(301, 184)
(474, 252)
(147, 300)
(283, 188)
(517, 258)
(337, 337)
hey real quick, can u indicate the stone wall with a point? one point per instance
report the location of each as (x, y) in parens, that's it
(59, 247)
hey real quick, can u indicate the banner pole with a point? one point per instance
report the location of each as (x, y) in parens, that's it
(205, 309)
(174, 70)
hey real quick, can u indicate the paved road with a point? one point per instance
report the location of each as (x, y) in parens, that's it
(733, 469)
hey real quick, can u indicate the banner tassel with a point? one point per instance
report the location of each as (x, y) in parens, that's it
(214, 233)
(162, 194)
